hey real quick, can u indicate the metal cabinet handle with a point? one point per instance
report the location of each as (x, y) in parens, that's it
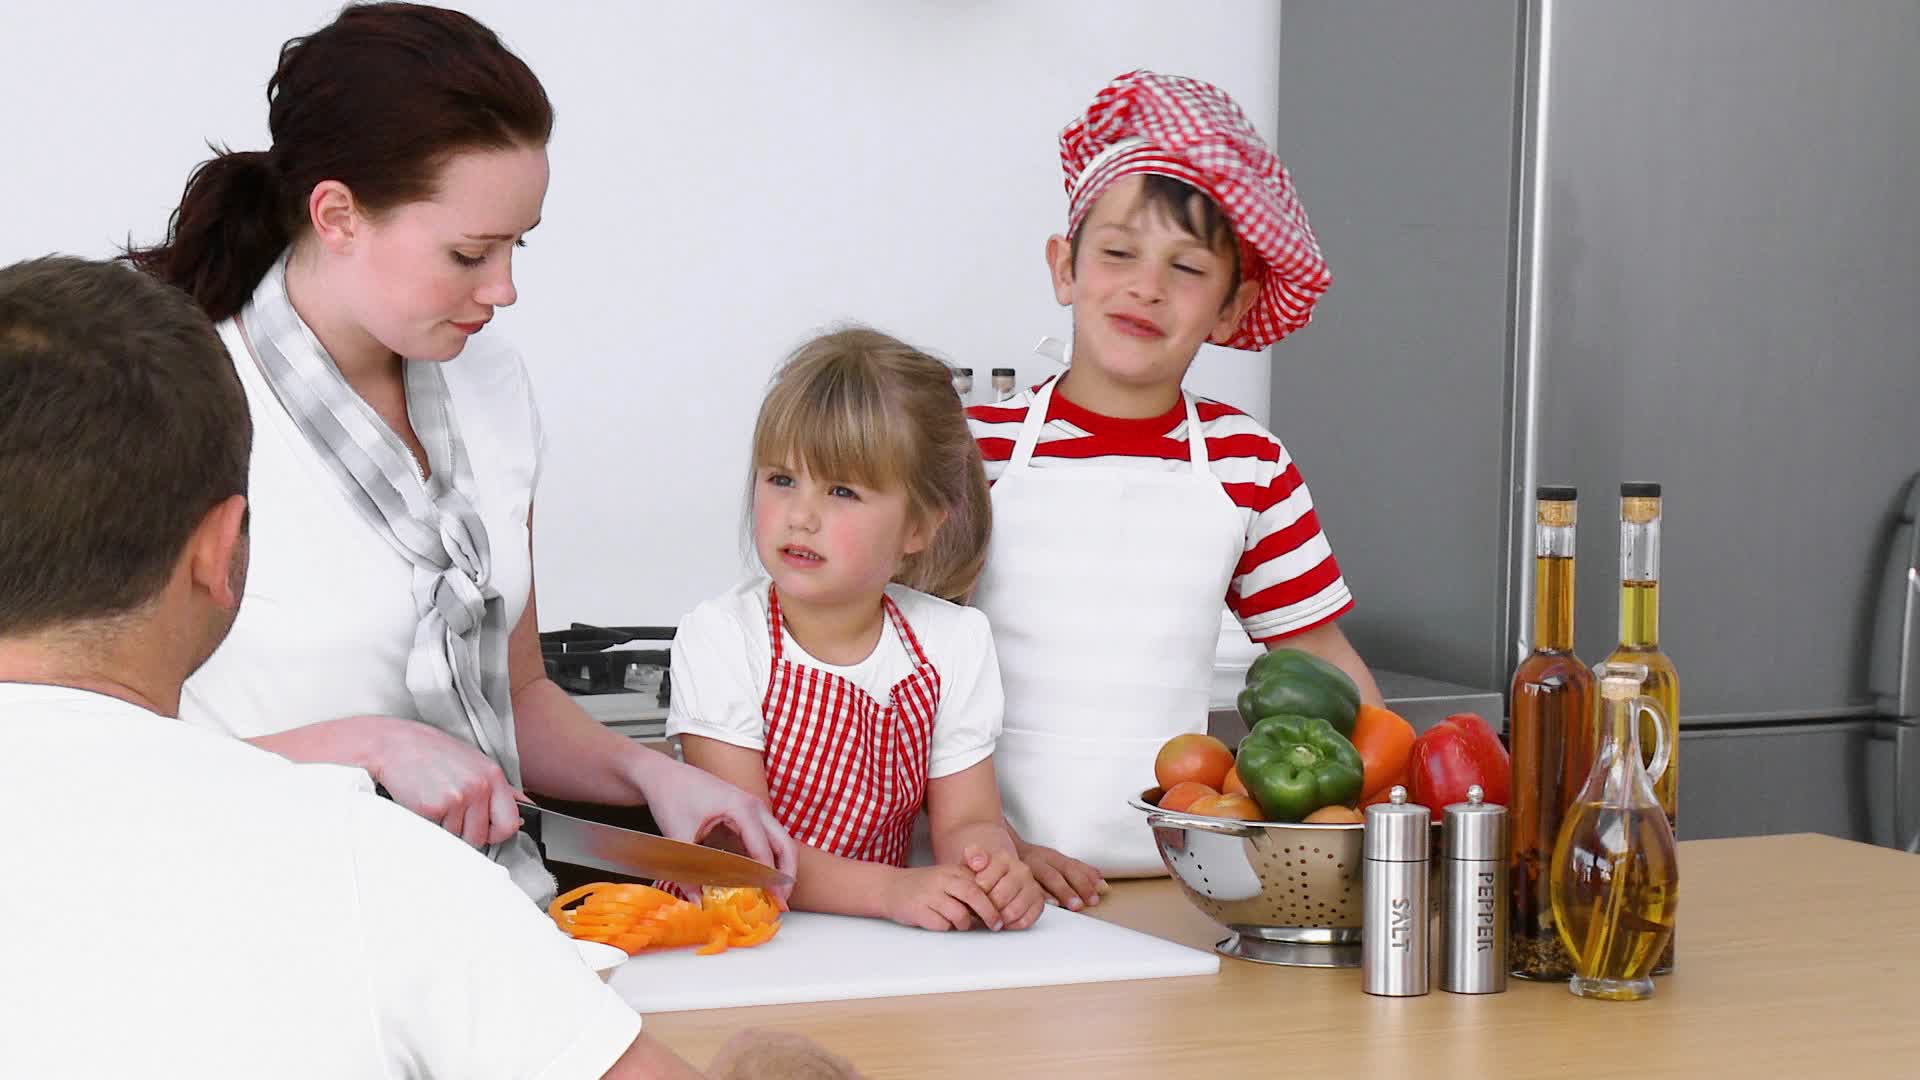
(1896, 641)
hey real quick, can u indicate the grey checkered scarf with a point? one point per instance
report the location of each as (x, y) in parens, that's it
(457, 671)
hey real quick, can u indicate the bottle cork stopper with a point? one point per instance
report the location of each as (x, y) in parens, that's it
(1558, 514)
(1620, 687)
(1621, 681)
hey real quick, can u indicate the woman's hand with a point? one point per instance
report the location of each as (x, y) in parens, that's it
(1009, 884)
(938, 898)
(443, 779)
(688, 803)
(1072, 883)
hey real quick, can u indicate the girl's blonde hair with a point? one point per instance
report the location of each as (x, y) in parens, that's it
(859, 406)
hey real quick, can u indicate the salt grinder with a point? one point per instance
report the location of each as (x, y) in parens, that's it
(1473, 911)
(1395, 912)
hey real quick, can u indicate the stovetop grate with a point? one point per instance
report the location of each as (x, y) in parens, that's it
(588, 659)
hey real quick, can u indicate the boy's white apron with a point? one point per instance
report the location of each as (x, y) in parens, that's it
(1104, 586)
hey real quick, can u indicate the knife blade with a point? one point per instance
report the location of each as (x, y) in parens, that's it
(576, 840)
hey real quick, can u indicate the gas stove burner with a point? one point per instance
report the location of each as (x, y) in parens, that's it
(587, 659)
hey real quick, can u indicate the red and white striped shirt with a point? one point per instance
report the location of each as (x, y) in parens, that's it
(1286, 581)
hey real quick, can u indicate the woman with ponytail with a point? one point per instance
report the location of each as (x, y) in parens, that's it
(389, 619)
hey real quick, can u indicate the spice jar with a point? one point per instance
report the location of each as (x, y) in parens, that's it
(1002, 383)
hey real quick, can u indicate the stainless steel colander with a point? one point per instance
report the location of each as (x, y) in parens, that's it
(1286, 893)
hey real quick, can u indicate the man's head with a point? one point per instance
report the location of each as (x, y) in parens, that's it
(124, 441)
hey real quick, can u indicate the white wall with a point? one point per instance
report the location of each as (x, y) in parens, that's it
(727, 178)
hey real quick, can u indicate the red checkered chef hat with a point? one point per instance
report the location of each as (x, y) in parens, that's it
(1179, 127)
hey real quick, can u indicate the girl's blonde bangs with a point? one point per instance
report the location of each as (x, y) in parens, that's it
(837, 424)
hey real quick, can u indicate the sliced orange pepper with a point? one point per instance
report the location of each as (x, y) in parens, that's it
(759, 936)
(717, 943)
(636, 918)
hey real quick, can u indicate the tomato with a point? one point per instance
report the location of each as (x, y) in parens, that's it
(1228, 806)
(1335, 815)
(1232, 785)
(1184, 794)
(1201, 759)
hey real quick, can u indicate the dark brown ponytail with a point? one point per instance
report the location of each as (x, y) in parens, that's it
(229, 227)
(377, 100)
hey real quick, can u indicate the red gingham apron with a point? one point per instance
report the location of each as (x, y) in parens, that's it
(847, 774)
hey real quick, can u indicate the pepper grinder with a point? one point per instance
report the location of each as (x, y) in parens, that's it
(1473, 918)
(1395, 911)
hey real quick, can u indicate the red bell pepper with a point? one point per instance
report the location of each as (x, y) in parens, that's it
(1452, 756)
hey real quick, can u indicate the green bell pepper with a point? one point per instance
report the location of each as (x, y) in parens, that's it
(1294, 765)
(1290, 682)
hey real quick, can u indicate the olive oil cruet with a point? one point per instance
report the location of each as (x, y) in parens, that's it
(1615, 871)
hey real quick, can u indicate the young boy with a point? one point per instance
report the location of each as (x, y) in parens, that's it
(1125, 511)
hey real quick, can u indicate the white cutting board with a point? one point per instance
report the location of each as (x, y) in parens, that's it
(837, 957)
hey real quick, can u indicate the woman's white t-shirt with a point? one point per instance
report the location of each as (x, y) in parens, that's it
(723, 660)
(327, 621)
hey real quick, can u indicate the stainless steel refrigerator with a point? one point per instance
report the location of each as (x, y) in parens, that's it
(1596, 241)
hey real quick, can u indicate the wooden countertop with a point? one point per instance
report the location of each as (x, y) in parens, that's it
(1798, 956)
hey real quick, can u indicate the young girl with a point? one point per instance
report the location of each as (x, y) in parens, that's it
(847, 687)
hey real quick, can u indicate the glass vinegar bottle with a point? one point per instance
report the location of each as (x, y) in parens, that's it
(1640, 644)
(1551, 735)
(1616, 872)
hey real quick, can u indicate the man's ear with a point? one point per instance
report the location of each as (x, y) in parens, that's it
(216, 552)
(1060, 268)
(1234, 310)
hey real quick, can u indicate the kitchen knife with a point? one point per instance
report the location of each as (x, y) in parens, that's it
(575, 840)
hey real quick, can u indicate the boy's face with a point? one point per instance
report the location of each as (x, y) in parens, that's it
(1145, 292)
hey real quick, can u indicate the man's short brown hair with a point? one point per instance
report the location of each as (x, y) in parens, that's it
(121, 424)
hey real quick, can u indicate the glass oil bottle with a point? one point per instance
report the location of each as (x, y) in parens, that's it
(1551, 735)
(1616, 875)
(1640, 644)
